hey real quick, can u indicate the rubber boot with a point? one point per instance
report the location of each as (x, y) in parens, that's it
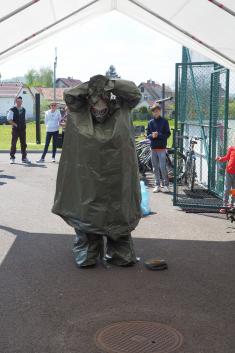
(121, 252)
(87, 248)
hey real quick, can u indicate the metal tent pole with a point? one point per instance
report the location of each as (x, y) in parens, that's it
(54, 74)
(186, 33)
(13, 13)
(222, 7)
(47, 27)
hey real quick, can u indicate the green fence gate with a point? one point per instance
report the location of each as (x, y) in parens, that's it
(201, 99)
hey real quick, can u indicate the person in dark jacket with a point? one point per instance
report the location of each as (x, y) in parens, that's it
(158, 132)
(16, 117)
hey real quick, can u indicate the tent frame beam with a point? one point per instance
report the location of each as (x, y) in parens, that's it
(169, 23)
(13, 13)
(222, 7)
(48, 27)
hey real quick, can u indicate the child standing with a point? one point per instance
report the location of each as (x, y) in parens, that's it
(229, 182)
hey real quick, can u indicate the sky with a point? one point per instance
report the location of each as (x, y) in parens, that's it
(137, 52)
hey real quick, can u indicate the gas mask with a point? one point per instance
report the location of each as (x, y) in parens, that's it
(99, 110)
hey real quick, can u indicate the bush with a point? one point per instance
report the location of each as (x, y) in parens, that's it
(143, 110)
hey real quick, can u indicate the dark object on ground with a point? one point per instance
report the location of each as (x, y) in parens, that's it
(60, 141)
(230, 213)
(200, 210)
(156, 264)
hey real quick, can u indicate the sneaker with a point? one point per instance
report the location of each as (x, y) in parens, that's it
(26, 160)
(53, 160)
(156, 189)
(12, 160)
(165, 189)
(41, 160)
(226, 206)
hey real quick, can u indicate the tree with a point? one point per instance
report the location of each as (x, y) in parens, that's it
(44, 105)
(231, 109)
(31, 77)
(111, 73)
(46, 76)
(43, 77)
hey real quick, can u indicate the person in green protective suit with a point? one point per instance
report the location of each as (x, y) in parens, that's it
(98, 189)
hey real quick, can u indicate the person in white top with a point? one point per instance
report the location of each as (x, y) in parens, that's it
(52, 122)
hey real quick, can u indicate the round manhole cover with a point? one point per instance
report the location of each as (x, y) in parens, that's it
(138, 336)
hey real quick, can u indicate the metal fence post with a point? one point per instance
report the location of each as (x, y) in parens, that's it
(176, 129)
(38, 126)
(163, 102)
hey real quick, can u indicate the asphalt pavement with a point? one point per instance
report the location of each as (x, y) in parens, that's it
(48, 305)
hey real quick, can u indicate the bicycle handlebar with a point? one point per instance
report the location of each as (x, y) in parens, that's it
(192, 138)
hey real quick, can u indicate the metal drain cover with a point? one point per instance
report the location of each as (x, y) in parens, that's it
(138, 337)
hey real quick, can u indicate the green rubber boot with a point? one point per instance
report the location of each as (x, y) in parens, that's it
(121, 252)
(87, 248)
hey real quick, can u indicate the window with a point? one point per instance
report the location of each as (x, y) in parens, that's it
(24, 92)
(142, 89)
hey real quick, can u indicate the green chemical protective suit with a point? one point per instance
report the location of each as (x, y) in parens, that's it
(97, 189)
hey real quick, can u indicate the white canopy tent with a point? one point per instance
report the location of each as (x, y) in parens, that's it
(205, 26)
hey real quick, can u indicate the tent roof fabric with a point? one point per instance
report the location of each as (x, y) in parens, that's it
(205, 26)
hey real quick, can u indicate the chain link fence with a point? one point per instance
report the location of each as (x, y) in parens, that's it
(201, 133)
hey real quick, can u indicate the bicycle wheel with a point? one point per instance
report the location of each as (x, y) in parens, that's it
(177, 173)
(181, 168)
(190, 174)
(169, 168)
(187, 176)
(193, 175)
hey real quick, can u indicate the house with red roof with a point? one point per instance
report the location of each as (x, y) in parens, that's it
(67, 82)
(47, 93)
(150, 93)
(8, 93)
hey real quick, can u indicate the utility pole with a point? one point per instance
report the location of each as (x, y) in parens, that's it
(54, 78)
(163, 102)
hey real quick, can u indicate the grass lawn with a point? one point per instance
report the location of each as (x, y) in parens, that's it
(5, 135)
(145, 123)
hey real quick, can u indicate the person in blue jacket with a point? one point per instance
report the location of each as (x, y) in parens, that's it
(158, 131)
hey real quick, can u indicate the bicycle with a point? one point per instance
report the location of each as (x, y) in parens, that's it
(143, 150)
(186, 162)
(189, 174)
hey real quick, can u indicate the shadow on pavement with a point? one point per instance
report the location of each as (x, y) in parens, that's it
(49, 305)
(30, 165)
(5, 176)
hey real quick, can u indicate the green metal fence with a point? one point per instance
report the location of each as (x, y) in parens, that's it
(202, 95)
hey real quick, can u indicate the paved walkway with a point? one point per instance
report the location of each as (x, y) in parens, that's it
(49, 306)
